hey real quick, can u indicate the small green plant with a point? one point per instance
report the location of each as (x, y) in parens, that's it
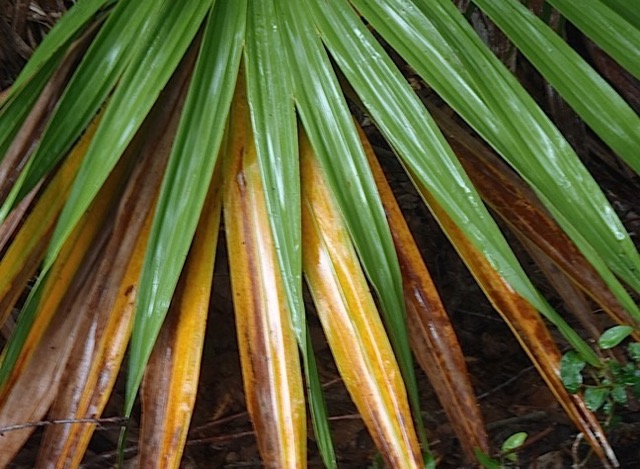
(609, 384)
(507, 455)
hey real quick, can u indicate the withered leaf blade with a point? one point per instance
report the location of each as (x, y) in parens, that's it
(268, 352)
(170, 383)
(351, 323)
(106, 316)
(23, 144)
(528, 327)
(26, 251)
(520, 208)
(39, 365)
(433, 338)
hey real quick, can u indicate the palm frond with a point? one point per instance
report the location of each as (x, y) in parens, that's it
(270, 364)
(188, 174)
(133, 119)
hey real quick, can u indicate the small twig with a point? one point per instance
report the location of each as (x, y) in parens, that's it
(331, 382)
(574, 451)
(120, 421)
(219, 438)
(337, 418)
(505, 383)
(202, 428)
(531, 417)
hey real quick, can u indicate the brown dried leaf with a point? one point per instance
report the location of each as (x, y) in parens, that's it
(530, 330)
(521, 210)
(170, 383)
(29, 134)
(432, 336)
(107, 313)
(26, 251)
(268, 350)
(39, 367)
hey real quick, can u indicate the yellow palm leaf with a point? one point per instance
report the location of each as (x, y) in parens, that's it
(27, 249)
(170, 383)
(39, 365)
(351, 322)
(268, 350)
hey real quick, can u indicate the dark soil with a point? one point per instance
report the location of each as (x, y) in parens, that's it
(512, 396)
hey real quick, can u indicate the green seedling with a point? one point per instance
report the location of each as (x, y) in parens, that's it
(611, 383)
(507, 454)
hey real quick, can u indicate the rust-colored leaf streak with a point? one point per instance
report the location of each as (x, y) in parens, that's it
(351, 322)
(16, 218)
(26, 251)
(170, 383)
(432, 336)
(106, 315)
(39, 366)
(529, 328)
(28, 396)
(520, 208)
(93, 367)
(268, 351)
(23, 143)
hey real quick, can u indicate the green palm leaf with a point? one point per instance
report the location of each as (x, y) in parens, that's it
(153, 64)
(588, 93)
(607, 28)
(333, 136)
(188, 174)
(464, 72)
(625, 9)
(394, 108)
(107, 57)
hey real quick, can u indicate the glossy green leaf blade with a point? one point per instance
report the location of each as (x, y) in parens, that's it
(409, 128)
(275, 129)
(327, 120)
(94, 79)
(627, 9)
(187, 178)
(604, 26)
(28, 314)
(60, 36)
(592, 97)
(273, 119)
(587, 92)
(441, 46)
(318, 407)
(171, 31)
(334, 138)
(405, 122)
